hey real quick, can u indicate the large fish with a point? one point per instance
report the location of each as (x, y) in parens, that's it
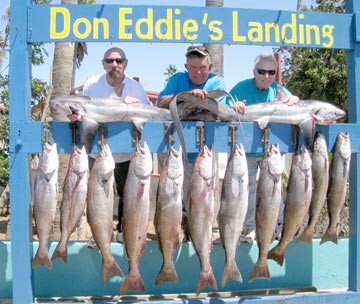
(268, 199)
(320, 175)
(233, 208)
(201, 212)
(339, 172)
(74, 199)
(100, 200)
(135, 220)
(305, 114)
(45, 201)
(298, 198)
(94, 110)
(105, 109)
(168, 213)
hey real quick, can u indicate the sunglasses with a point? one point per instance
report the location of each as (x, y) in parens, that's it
(263, 72)
(111, 60)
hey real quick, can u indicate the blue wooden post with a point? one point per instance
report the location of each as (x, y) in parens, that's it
(19, 113)
(354, 117)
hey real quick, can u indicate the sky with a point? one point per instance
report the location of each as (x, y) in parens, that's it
(149, 61)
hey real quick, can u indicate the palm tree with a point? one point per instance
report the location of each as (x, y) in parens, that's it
(67, 57)
(299, 5)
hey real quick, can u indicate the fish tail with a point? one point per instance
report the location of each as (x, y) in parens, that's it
(330, 235)
(306, 236)
(231, 272)
(132, 282)
(261, 270)
(42, 259)
(110, 269)
(277, 255)
(206, 279)
(60, 253)
(167, 275)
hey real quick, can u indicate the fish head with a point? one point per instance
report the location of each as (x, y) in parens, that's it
(64, 108)
(206, 162)
(343, 144)
(175, 154)
(320, 145)
(79, 159)
(104, 162)
(174, 163)
(274, 159)
(142, 161)
(325, 113)
(49, 158)
(302, 155)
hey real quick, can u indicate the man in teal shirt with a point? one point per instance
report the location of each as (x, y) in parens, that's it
(198, 80)
(261, 88)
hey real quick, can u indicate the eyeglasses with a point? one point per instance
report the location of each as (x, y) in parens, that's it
(111, 60)
(263, 72)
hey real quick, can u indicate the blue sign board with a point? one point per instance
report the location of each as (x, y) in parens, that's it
(103, 23)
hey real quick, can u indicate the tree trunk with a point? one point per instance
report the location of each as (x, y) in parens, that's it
(61, 85)
(216, 50)
(299, 5)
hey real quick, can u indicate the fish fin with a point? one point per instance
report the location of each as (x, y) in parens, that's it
(307, 128)
(206, 279)
(138, 123)
(261, 270)
(280, 93)
(132, 282)
(41, 259)
(60, 253)
(329, 235)
(306, 236)
(277, 255)
(167, 275)
(231, 272)
(109, 269)
(89, 127)
(263, 122)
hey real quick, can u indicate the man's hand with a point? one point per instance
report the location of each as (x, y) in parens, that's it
(240, 105)
(292, 100)
(130, 99)
(201, 94)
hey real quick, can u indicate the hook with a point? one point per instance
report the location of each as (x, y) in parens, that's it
(136, 134)
(200, 134)
(169, 133)
(233, 133)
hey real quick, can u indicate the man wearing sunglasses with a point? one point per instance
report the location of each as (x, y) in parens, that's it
(114, 79)
(260, 88)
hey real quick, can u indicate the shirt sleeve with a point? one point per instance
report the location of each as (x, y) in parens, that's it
(171, 87)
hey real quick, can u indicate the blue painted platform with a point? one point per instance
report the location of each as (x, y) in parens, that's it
(321, 267)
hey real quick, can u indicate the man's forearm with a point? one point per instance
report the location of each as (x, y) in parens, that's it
(164, 101)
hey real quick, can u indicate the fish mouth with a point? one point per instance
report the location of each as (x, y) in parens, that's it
(73, 113)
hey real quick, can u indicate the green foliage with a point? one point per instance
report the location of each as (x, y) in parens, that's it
(172, 69)
(313, 73)
(38, 94)
(4, 146)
